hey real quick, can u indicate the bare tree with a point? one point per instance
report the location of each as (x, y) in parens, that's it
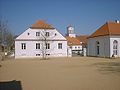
(46, 38)
(6, 37)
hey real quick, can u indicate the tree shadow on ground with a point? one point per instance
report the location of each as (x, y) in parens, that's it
(108, 67)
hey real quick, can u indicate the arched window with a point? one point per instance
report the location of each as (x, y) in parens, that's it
(115, 47)
(97, 48)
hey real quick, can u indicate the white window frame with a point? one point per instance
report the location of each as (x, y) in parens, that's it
(47, 45)
(59, 45)
(115, 47)
(37, 54)
(37, 45)
(47, 34)
(37, 33)
(23, 46)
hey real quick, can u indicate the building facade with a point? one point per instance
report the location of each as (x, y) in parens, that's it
(40, 40)
(105, 42)
(73, 42)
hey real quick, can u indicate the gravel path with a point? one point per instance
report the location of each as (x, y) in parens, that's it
(76, 73)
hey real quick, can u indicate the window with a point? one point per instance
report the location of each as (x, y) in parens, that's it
(115, 47)
(55, 34)
(28, 33)
(37, 33)
(37, 54)
(47, 54)
(98, 51)
(98, 47)
(47, 34)
(37, 45)
(23, 45)
(59, 45)
(47, 45)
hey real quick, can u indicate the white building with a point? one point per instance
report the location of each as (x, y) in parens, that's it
(40, 40)
(105, 42)
(73, 42)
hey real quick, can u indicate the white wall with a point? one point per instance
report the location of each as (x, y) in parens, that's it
(104, 46)
(72, 35)
(31, 50)
(32, 34)
(69, 51)
(31, 40)
(77, 47)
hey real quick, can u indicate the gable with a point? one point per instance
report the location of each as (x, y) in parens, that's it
(41, 27)
(30, 34)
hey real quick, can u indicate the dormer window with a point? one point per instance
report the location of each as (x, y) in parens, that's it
(47, 34)
(37, 33)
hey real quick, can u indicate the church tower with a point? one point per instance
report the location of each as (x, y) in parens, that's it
(70, 31)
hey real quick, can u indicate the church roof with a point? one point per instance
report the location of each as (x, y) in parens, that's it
(109, 28)
(41, 25)
(72, 41)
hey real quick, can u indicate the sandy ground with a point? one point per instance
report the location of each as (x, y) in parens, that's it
(76, 73)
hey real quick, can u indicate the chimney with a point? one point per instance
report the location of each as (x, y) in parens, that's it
(117, 21)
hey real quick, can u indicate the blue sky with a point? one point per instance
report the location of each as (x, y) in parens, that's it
(85, 15)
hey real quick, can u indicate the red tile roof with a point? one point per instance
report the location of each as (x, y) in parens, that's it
(72, 41)
(110, 28)
(83, 38)
(41, 25)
